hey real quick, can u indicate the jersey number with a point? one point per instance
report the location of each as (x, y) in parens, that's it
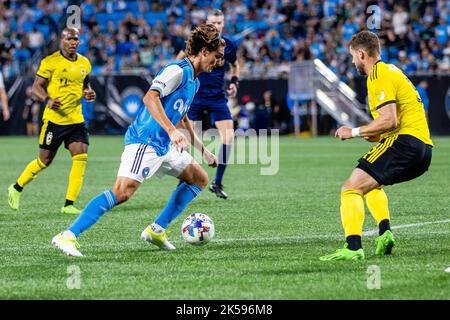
(180, 106)
(63, 82)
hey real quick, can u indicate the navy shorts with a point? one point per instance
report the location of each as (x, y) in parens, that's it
(218, 110)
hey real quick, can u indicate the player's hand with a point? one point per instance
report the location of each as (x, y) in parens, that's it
(54, 104)
(89, 95)
(179, 140)
(343, 133)
(6, 114)
(210, 158)
(232, 90)
(375, 138)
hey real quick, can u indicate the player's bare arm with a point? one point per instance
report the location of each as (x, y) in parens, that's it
(233, 87)
(88, 93)
(386, 121)
(40, 91)
(4, 100)
(210, 158)
(153, 103)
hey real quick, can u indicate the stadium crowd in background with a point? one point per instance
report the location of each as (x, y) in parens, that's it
(142, 36)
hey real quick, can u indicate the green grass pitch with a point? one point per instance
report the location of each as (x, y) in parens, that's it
(269, 233)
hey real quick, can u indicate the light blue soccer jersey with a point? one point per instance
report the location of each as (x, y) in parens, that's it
(177, 87)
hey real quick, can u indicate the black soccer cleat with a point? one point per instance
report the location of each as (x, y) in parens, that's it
(218, 190)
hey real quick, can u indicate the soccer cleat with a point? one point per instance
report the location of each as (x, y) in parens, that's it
(70, 210)
(67, 243)
(13, 197)
(344, 254)
(159, 239)
(218, 190)
(384, 243)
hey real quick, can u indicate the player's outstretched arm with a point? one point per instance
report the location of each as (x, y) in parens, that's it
(4, 100)
(88, 93)
(387, 120)
(234, 83)
(154, 106)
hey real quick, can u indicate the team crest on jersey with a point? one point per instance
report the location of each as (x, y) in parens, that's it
(48, 139)
(145, 172)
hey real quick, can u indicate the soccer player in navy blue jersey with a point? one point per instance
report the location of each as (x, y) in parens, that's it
(212, 97)
(154, 145)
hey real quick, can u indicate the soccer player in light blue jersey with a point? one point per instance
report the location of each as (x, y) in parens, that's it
(155, 145)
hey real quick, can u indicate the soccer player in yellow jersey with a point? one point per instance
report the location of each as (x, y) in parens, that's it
(61, 81)
(403, 151)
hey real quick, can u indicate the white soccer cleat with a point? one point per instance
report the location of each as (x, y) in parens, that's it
(67, 243)
(158, 238)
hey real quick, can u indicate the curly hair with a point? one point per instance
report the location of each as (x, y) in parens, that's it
(204, 36)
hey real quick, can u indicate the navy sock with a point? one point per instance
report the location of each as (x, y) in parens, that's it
(224, 155)
(184, 193)
(384, 226)
(354, 242)
(93, 211)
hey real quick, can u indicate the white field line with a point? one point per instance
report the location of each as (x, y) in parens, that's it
(330, 236)
(411, 225)
(256, 239)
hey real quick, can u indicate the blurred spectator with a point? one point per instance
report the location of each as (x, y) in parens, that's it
(422, 90)
(4, 100)
(272, 33)
(31, 113)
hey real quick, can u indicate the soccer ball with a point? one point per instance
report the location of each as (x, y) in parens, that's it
(197, 229)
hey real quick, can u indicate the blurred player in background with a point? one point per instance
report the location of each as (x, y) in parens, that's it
(4, 100)
(31, 113)
(212, 97)
(154, 145)
(403, 152)
(61, 81)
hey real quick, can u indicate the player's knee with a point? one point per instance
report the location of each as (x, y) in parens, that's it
(122, 193)
(201, 179)
(46, 160)
(351, 186)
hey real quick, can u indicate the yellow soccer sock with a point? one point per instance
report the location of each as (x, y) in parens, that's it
(352, 212)
(30, 172)
(76, 176)
(377, 202)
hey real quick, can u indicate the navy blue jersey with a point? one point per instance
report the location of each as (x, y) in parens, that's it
(212, 83)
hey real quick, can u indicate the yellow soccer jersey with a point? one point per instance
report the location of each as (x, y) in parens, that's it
(387, 84)
(66, 80)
